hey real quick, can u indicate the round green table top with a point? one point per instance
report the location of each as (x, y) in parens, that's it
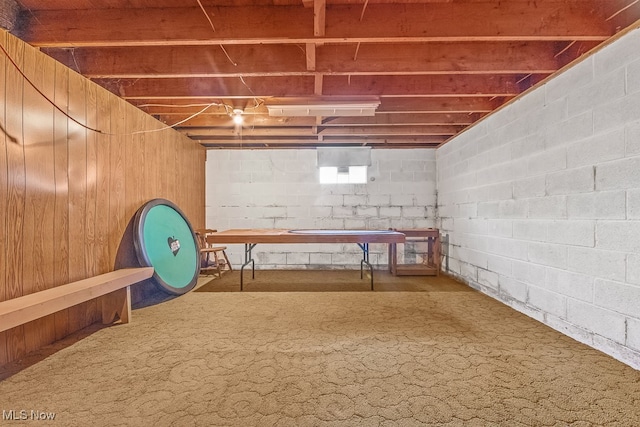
(165, 241)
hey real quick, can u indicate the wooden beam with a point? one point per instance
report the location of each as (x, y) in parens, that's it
(292, 86)
(318, 84)
(422, 85)
(319, 17)
(280, 60)
(374, 131)
(385, 23)
(462, 19)
(9, 14)
(239, 139)
(438, 58)
(310, 56)
(316, 144)
(260, 87)
(313, 141)
(380, 119)
(470, 105)
(622, 13)
(389, 105)
(567, 52)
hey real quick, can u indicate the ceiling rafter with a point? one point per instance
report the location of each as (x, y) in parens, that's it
(436, 66)
(412, 22)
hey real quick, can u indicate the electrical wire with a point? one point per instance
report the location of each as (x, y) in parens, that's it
(364, 7)
(4, 51)
(622, 10)
(207, 16)
(42, 94)
(257, 101)
(175, 124)
(177, 105)
(235, 64)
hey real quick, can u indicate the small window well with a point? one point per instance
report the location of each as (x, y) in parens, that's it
(343, 175)
(344, 165)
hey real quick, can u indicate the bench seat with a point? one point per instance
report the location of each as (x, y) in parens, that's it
(112, 286)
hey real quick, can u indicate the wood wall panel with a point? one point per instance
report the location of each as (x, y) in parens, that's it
(61, 183)
(134, 166)
(70, 192)
(91, 190)
(103, 146)
(16, 182)
(38, 146)
(77, 140)
(91, 253)
(164, 142)
(152, 175)
(170, 163)
(117, 179)
(3, 194)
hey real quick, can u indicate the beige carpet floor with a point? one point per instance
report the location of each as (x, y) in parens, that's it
(418, 351)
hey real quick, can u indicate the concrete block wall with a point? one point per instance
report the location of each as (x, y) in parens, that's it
(541, 202)
(281, 189)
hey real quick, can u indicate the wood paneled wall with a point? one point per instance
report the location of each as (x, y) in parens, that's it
(68, 193)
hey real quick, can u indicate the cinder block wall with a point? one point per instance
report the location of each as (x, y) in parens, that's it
(281, 189)
(541, 202)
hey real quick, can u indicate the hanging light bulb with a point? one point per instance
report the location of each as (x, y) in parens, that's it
(237, 116)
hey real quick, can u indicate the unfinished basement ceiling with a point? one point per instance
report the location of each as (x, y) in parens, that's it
(434, 67)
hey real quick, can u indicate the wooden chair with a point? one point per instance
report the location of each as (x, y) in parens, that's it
(212, 258)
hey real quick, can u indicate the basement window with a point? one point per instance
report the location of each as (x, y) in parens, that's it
(343, 175)
(345, 165)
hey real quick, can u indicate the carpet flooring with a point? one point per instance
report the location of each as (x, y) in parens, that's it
(417, 351)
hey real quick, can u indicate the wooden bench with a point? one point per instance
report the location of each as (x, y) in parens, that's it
(113, 287)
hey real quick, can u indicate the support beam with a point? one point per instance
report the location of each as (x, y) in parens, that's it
(304, 86)
(263, 120)
(319, 17)
(383, 23)
(282, 60)
(363, 131)
(9, 14)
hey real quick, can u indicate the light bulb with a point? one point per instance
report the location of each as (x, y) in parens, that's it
(237, 117)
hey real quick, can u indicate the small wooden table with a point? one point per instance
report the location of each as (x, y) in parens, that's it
(431, 266)
(251, 237)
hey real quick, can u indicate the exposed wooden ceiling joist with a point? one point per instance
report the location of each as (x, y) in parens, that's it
(383, 23)
(437, 66)
(273, 60)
